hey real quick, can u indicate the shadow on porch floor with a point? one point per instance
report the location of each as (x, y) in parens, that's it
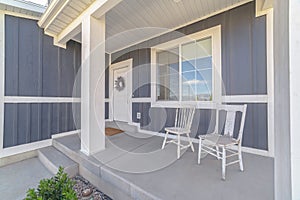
(163, 177)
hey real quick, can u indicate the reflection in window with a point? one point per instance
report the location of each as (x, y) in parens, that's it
(168, 76)
(195, 76)
(197, 71)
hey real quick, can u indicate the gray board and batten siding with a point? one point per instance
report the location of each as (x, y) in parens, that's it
(244, 72)
(34, 67)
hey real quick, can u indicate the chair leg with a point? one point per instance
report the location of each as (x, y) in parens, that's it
(190, 141)
(199, 150)
(223, 163)
(240, 157)
(218, 152)
(165, 140)
(178, 146)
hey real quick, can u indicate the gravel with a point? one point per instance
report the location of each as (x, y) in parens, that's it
(81, 184)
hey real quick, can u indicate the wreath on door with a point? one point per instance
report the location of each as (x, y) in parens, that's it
(120, 83)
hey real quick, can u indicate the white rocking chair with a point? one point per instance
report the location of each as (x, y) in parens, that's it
(225, 141)
(183, 122)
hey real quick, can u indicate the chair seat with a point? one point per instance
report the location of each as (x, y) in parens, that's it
(219, 140)
(177, 130)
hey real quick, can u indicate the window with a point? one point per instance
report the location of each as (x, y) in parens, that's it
(186, 68)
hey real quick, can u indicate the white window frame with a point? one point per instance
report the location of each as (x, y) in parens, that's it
(215, 34)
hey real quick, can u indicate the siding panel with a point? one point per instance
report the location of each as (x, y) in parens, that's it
(11, 55)
(34, 66)
(29, 76)
(25, 123)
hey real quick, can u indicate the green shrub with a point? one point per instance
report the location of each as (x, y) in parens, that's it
(59, 187)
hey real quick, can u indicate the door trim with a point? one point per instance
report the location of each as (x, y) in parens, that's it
(113, 67)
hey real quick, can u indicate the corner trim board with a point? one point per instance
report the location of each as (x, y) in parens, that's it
(2, 76)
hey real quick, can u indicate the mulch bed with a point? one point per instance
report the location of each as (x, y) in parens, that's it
(82, 184)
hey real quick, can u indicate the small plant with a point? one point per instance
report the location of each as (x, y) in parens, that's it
(59, 187)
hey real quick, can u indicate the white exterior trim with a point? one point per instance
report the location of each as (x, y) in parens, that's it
(263, 7)
(15, 14)
(26, 5)
(141, 100)
(97, 9)
(25, 148)
(245, 99)
(270, 81)
(2, 76)
(294, 49)
(34, 145)
(215, 34)
(111, 87)
(25, 99)
(59, 135)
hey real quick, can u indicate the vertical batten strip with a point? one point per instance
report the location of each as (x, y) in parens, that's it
(2, 78)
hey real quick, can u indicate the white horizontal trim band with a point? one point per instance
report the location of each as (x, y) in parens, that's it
(19, 99)
(34, 145)
(245, 99)
(24, 148)
(59, 135)
(136, 100)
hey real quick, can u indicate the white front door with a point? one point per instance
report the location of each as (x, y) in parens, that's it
(121, 95)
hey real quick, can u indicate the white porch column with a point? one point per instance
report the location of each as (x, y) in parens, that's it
(92, 98)
(294, 47)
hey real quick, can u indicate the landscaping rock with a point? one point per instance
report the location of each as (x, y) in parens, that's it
(85, 190)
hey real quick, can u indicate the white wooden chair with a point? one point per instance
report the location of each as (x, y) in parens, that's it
(211, 143)
(183, 122)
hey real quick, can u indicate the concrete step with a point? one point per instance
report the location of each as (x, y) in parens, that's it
(98, 174)
(70, 146)
(53, 159)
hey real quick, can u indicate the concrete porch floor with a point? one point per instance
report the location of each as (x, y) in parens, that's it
(130, 164)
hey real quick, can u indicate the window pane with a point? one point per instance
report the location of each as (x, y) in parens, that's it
(197, 70)
(188, 56)
(204, 85)
(188, 86)
(168, 87)
(204, 54)
(167, 75)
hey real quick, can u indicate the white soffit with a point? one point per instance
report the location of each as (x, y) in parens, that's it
(124, 17)
(22, 7)
(60, 13)
(162, 15)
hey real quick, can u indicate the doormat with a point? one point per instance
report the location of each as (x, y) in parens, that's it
(112, 131)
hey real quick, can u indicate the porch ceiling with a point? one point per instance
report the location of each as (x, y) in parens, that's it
(163, 16)
(129, 17)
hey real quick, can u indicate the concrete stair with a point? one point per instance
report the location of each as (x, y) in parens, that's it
(106, 179)
(53, 159)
